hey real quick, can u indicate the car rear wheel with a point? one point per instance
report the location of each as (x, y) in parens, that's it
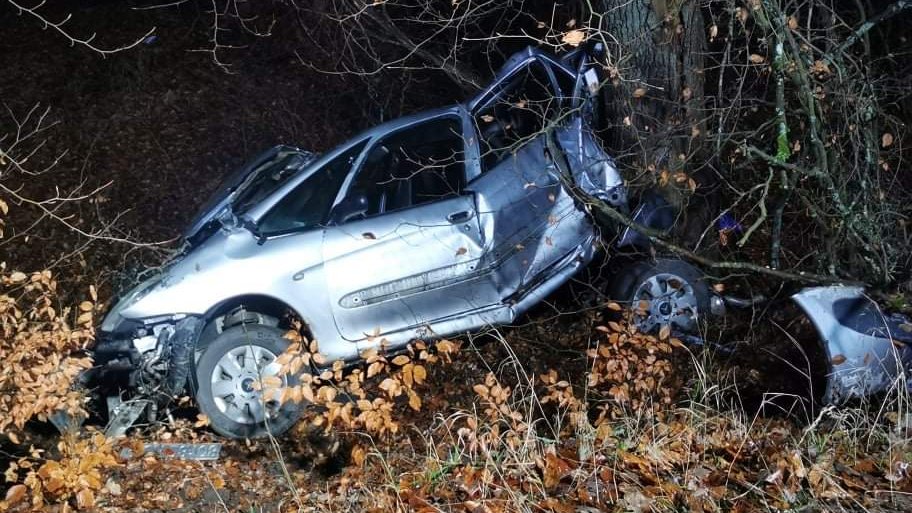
(227, 374)
(664, 292)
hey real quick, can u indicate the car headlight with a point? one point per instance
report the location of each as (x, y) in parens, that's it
(113, 319)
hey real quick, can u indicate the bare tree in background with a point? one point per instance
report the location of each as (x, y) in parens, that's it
(783, 115)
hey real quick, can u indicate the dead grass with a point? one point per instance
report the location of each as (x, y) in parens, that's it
(509, 425)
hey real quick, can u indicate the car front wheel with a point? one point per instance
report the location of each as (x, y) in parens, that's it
(228, 373)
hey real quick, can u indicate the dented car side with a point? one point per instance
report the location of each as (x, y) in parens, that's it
(428, 225)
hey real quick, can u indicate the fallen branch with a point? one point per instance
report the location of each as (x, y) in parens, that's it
(657, 237)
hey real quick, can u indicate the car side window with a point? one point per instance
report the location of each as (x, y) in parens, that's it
(308, 204)
(520, 110)
(416, 165)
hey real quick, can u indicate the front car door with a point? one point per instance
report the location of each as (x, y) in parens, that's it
(404, 252)
(529, 220)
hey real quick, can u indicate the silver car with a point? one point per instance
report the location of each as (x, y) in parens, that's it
(425, 226)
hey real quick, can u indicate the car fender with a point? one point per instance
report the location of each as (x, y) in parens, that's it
(232, 266)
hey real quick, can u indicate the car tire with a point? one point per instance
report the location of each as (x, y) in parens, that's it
(676, 293)
(225, 376)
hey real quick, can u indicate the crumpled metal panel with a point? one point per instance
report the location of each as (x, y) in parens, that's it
(593, 170)
(865, 347)
(431, 270)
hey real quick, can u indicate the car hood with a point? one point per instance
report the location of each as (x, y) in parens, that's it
(245, 186)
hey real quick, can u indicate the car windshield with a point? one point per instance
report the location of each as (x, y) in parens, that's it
(268, 177)
(308, 204)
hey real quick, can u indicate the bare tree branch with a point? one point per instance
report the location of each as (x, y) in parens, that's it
(74, 40)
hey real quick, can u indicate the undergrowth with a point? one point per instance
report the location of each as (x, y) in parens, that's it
(651, 425)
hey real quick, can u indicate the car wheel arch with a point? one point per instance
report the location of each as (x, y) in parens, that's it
(266, 306)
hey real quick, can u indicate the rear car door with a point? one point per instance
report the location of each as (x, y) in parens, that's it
(404, 250)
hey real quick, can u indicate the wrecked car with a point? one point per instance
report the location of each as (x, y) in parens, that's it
(425, 226)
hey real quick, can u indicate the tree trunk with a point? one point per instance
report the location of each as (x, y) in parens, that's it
(655, 101)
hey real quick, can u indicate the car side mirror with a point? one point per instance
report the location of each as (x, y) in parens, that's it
(352, 206)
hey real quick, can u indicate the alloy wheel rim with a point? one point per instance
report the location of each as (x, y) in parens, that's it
(234, 384)
(663, 299)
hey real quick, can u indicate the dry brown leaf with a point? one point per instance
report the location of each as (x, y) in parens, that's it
(820, 67)
(401, 360)
(201, 420)
(414, 401)
(555, 470)
(445, 346)
(757, 58)
(358, 455)
(420, 374)
(839, 359)
(85, 498)
(574, 37)
(15, 494)
(639, 92)
(886, 140)
(374, 368)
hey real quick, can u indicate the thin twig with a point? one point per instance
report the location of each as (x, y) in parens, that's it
(87, 42)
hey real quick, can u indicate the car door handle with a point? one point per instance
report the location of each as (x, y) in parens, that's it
(460, 217)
